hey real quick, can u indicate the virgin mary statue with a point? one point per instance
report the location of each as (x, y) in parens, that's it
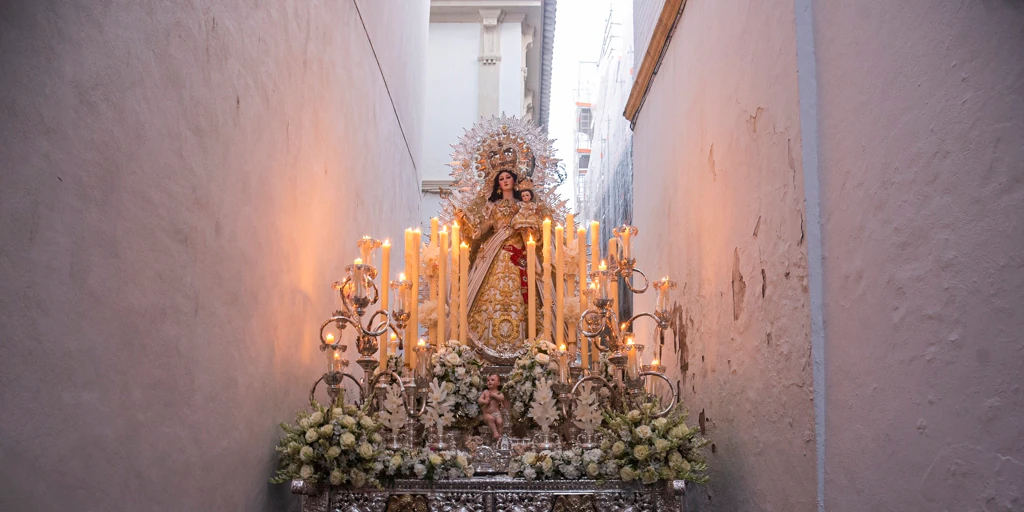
(500, 163)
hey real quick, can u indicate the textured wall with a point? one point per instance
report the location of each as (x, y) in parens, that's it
(179, 185)
(719, 203)
(922, 165)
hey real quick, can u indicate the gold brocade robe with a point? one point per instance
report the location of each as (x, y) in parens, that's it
(497, 282)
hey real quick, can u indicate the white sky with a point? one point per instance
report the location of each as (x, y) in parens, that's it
(579, 26)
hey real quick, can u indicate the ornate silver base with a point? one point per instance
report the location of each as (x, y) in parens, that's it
(498, 493)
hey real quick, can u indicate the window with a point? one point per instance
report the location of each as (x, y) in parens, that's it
(584, 162)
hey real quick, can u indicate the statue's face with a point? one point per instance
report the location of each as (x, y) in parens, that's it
(506, 182)
(527, 196)
(493, 381)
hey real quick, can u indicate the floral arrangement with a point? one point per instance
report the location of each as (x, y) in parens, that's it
(438, 413)
(426, 465)
(393, 415)
(543, 409)
(536, 364)
(395, 363)
(652, 449)
(570, 464)
(588, 411)
(457, 368)
(339, 443)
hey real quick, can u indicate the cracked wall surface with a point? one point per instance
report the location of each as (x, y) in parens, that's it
(180, 184)
(922, 166)
(719, 204)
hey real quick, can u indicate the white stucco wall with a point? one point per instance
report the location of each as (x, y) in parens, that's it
(452, 78)
(922, 200)
(510, 88)
(718, 200)
(179, 186)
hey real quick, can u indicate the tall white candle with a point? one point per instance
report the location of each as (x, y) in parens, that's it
(417, 242)
(613, 289)
(442, 290)
(385, 295)
(456, 275)
(464, 293)
(546, 276)
(581, 250)
(559, 286)
(531, 292)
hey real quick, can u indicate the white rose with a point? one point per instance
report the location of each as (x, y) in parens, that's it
(348, 440)
(333, 452)
(306, 471)
(312, 435)
(543, 358)
(317, 418)
(365, 451)
(337, 477)
(420, 470)
(306, 453)
(304, 423)
(326, 430)
(348, 421)
(453, 359)
(367, 422)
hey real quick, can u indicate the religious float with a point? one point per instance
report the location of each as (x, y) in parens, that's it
(527, 393)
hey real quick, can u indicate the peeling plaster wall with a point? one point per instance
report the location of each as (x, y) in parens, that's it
(922, 186)
(179, 185)
(719, 203)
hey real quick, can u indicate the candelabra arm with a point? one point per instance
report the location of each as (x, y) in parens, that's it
(312, 390)
(629, 323)
(675, 394)
(381, 327)
(629, 282)
(398, 378)
(359, 385)
(341, 319)
(583, 330)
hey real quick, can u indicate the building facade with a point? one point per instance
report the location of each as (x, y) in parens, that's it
(484, 58)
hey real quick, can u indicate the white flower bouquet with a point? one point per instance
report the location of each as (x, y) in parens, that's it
(652, 449)
(424, 464)
(456, 367)
(536, 364)
(339, 444)
(572, 464)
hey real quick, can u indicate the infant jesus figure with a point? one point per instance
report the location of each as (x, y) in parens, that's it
(491, 402)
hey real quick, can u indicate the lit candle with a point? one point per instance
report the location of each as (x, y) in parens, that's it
(364, 249)
(456, 276)
(385, 291)
(334, 363)
(581, 260)
(421, 358)
(417, 242)
(464, 293)
(595, 243)
(559, 286)
(613, 287)
(409, 263)
(662, 304)
(546, 275)
(631, 367)
(626, 234)
(442, 289)
(562, 373)
(357, 278)
(531, 292)
(602, 281)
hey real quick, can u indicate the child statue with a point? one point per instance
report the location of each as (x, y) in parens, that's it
(492, 402)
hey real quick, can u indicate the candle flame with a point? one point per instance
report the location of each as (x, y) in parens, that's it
(531, 239)
(444, 229)
(366, 237)
(387, 242)
(422, 342)
(330, 338)
(394, 336)
(463, 245)
(562, 347)
(603, 266)
(417, 230)
(337, 355)
(654, 362)
(401, 276)
(359, 261)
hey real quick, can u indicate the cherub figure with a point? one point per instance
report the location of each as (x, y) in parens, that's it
(492, 402)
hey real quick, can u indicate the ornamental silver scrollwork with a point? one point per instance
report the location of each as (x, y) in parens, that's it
(359, 502)
(456, 502)
(521, 502)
